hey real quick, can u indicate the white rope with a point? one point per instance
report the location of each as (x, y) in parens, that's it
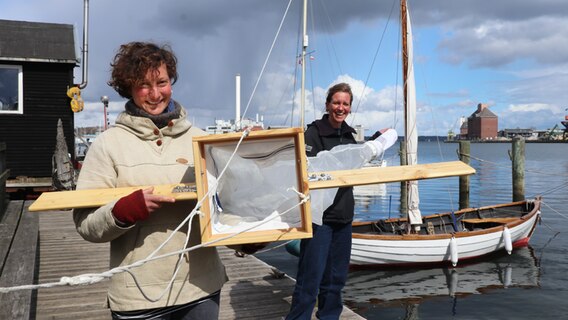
(188, 220)
(91, 278)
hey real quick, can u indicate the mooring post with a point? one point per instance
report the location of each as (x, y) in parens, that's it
(403, 184)
(518, 158)
(464, 154)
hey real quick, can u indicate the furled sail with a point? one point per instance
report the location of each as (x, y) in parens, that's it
(411, 133)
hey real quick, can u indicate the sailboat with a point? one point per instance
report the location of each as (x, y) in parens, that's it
(441, 238)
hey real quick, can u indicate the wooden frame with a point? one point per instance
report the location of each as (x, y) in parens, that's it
(203, 157)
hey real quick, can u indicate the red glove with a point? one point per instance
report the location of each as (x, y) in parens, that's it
(131, 208)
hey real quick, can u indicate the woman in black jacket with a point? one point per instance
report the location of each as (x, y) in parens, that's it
(324, 259)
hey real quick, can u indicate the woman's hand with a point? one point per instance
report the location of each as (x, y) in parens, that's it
(137, 206)
(153, 201)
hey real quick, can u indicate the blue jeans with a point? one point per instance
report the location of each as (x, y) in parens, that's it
(322, 272)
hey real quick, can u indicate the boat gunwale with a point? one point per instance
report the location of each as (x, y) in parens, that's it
(459, 234)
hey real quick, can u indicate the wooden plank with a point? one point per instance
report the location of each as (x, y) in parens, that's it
(490, 220)
(88, 302)
(98, 197)
(8, 227)
(344, 178)
(19, 268)
(374, 175)
(64, 253)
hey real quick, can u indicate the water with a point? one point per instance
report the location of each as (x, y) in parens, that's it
(530, 283)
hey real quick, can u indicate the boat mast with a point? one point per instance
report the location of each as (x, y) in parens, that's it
(410, 132)
(404, 30)
(303, 62)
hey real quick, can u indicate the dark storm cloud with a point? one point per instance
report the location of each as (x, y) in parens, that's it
(216, 39)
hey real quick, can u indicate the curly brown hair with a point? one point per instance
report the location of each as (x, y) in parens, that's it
(340, 87)
(132, 62)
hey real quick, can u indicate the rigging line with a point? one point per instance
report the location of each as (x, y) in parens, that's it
(299, 45)
(291, 83)
(329, 39)
(398, 68)
(438, 142)
(283, 96)
(311, 65)
(312, 84)
(267, 58)
(510, 166)
(553, 189)
(373, 62)
(555, 211)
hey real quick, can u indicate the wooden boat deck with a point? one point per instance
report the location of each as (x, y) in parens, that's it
(252, 292)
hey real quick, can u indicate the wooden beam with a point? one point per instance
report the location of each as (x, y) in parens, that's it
(345, 178)
(375, 175)
(99, 197)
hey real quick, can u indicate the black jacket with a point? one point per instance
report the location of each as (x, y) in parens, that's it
(319, 136)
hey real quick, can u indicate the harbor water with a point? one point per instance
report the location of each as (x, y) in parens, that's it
(531, 283)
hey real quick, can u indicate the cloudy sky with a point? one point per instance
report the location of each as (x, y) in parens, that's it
(510, 54)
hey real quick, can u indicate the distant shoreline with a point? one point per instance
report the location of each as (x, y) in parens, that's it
(445, 140)
(507, 141)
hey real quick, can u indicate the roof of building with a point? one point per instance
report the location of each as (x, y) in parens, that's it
(37, 41)
(484, 113)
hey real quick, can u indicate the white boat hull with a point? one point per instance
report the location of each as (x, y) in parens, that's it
(428, 249)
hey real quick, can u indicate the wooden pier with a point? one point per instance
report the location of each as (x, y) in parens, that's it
(253, 292)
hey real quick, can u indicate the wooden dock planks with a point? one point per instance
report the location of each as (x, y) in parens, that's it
(18, 248)
(252, 292)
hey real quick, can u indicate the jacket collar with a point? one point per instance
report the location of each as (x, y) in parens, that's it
(145, 128)
(325, 128)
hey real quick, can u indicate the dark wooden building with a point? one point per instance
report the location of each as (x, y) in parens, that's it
(482, 124)
(36, 69)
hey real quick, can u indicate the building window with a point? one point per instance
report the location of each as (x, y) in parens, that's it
(11, 91)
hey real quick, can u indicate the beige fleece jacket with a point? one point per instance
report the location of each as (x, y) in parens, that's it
(136, 153)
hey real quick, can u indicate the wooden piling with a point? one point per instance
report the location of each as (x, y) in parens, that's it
(464, 154)
(518, 158)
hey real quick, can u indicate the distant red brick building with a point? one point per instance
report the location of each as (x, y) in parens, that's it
(482, 124)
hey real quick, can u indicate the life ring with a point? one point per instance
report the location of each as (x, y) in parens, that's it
(77, 103)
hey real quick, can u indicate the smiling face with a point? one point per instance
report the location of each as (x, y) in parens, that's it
(153, 94)
(338, 108)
